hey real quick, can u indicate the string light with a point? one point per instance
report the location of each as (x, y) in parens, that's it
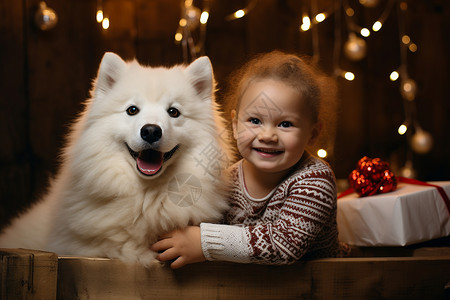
(365, 32)
(178, 36)
(99, 16)
(240, 13)
(394, 76)
(402, 129)
(349, 76)
(320, 17)
(322, 153)
(306, 25)
(377, 26)
(105, 23)
(204, 17)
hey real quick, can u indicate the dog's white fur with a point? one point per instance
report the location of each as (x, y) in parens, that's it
(99, 203)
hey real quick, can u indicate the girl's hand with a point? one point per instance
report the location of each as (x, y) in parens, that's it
(183, 245)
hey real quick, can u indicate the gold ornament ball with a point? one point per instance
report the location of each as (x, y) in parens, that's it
(421, 142)
(355, 48)
(45, 17)
(408, 89)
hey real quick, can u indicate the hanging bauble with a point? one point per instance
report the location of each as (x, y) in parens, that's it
(192, 17)
(369, 3)
(355, 48)
(421, 141)
(408, 89)
(45, 17)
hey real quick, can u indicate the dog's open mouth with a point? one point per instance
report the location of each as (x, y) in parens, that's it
(149, 162)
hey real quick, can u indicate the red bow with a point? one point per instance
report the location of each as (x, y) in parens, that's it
(373, 176)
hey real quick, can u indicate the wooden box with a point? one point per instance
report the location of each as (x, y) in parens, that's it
(423, 274)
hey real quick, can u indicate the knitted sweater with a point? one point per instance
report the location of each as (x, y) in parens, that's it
(296, 220)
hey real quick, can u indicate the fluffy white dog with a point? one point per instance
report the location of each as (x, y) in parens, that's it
(147, 155)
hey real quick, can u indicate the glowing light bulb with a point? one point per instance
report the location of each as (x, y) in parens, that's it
(412, 47)
(365, 32)
(322, 153)
(406, 39)
(321, 17)
(306, 23)
(402, 129)
(99, 16)
(105, 23)
(178, 36)
(377, 26)
(204, 17)
(349, 76)
(240, 13)
(394, 76)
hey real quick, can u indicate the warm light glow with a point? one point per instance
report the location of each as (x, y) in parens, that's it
(204, 17)
(105, 23)
(394, 76)
(178, 36)
(407, 87)
(403, 5)
(322, 153)
(99, 16)
(306, 23)
(349, 76)
(377, 26)
(365, 32)
(412, 47)
(350, 12)
(240, 13)
(321, 17)
(402, 129)
(406, 39)
(182, 22)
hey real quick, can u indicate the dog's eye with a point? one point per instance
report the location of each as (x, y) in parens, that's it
(132, 110)
(173, 112)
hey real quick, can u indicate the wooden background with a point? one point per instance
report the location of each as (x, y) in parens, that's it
(44, 76)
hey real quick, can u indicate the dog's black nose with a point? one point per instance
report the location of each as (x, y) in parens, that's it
(151, 133)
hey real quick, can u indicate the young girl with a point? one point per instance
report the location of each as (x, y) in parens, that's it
(283, 200)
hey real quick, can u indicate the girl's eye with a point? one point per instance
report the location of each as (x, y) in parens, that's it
(254, 121)
(173, 112)
(285, 124)
(132, 110)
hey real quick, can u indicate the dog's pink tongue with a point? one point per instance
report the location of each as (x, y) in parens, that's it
(150, 165)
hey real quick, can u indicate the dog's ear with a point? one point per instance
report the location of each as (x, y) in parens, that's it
(200, 74)
(110, 71)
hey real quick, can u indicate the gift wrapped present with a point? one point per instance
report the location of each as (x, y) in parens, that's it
(410, 214)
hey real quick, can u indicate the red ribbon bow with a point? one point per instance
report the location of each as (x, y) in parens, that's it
(373, 176)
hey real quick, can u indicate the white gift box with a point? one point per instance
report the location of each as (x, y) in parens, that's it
(408, 215)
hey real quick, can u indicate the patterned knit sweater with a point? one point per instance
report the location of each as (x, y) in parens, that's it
(297, 220)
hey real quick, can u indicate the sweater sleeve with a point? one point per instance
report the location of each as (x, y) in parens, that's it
(225, 243)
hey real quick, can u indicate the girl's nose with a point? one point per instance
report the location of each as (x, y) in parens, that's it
(267, 135)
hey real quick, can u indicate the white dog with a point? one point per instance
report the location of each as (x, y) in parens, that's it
(147, 155)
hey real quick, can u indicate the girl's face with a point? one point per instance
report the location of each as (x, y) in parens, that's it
(272, 126)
